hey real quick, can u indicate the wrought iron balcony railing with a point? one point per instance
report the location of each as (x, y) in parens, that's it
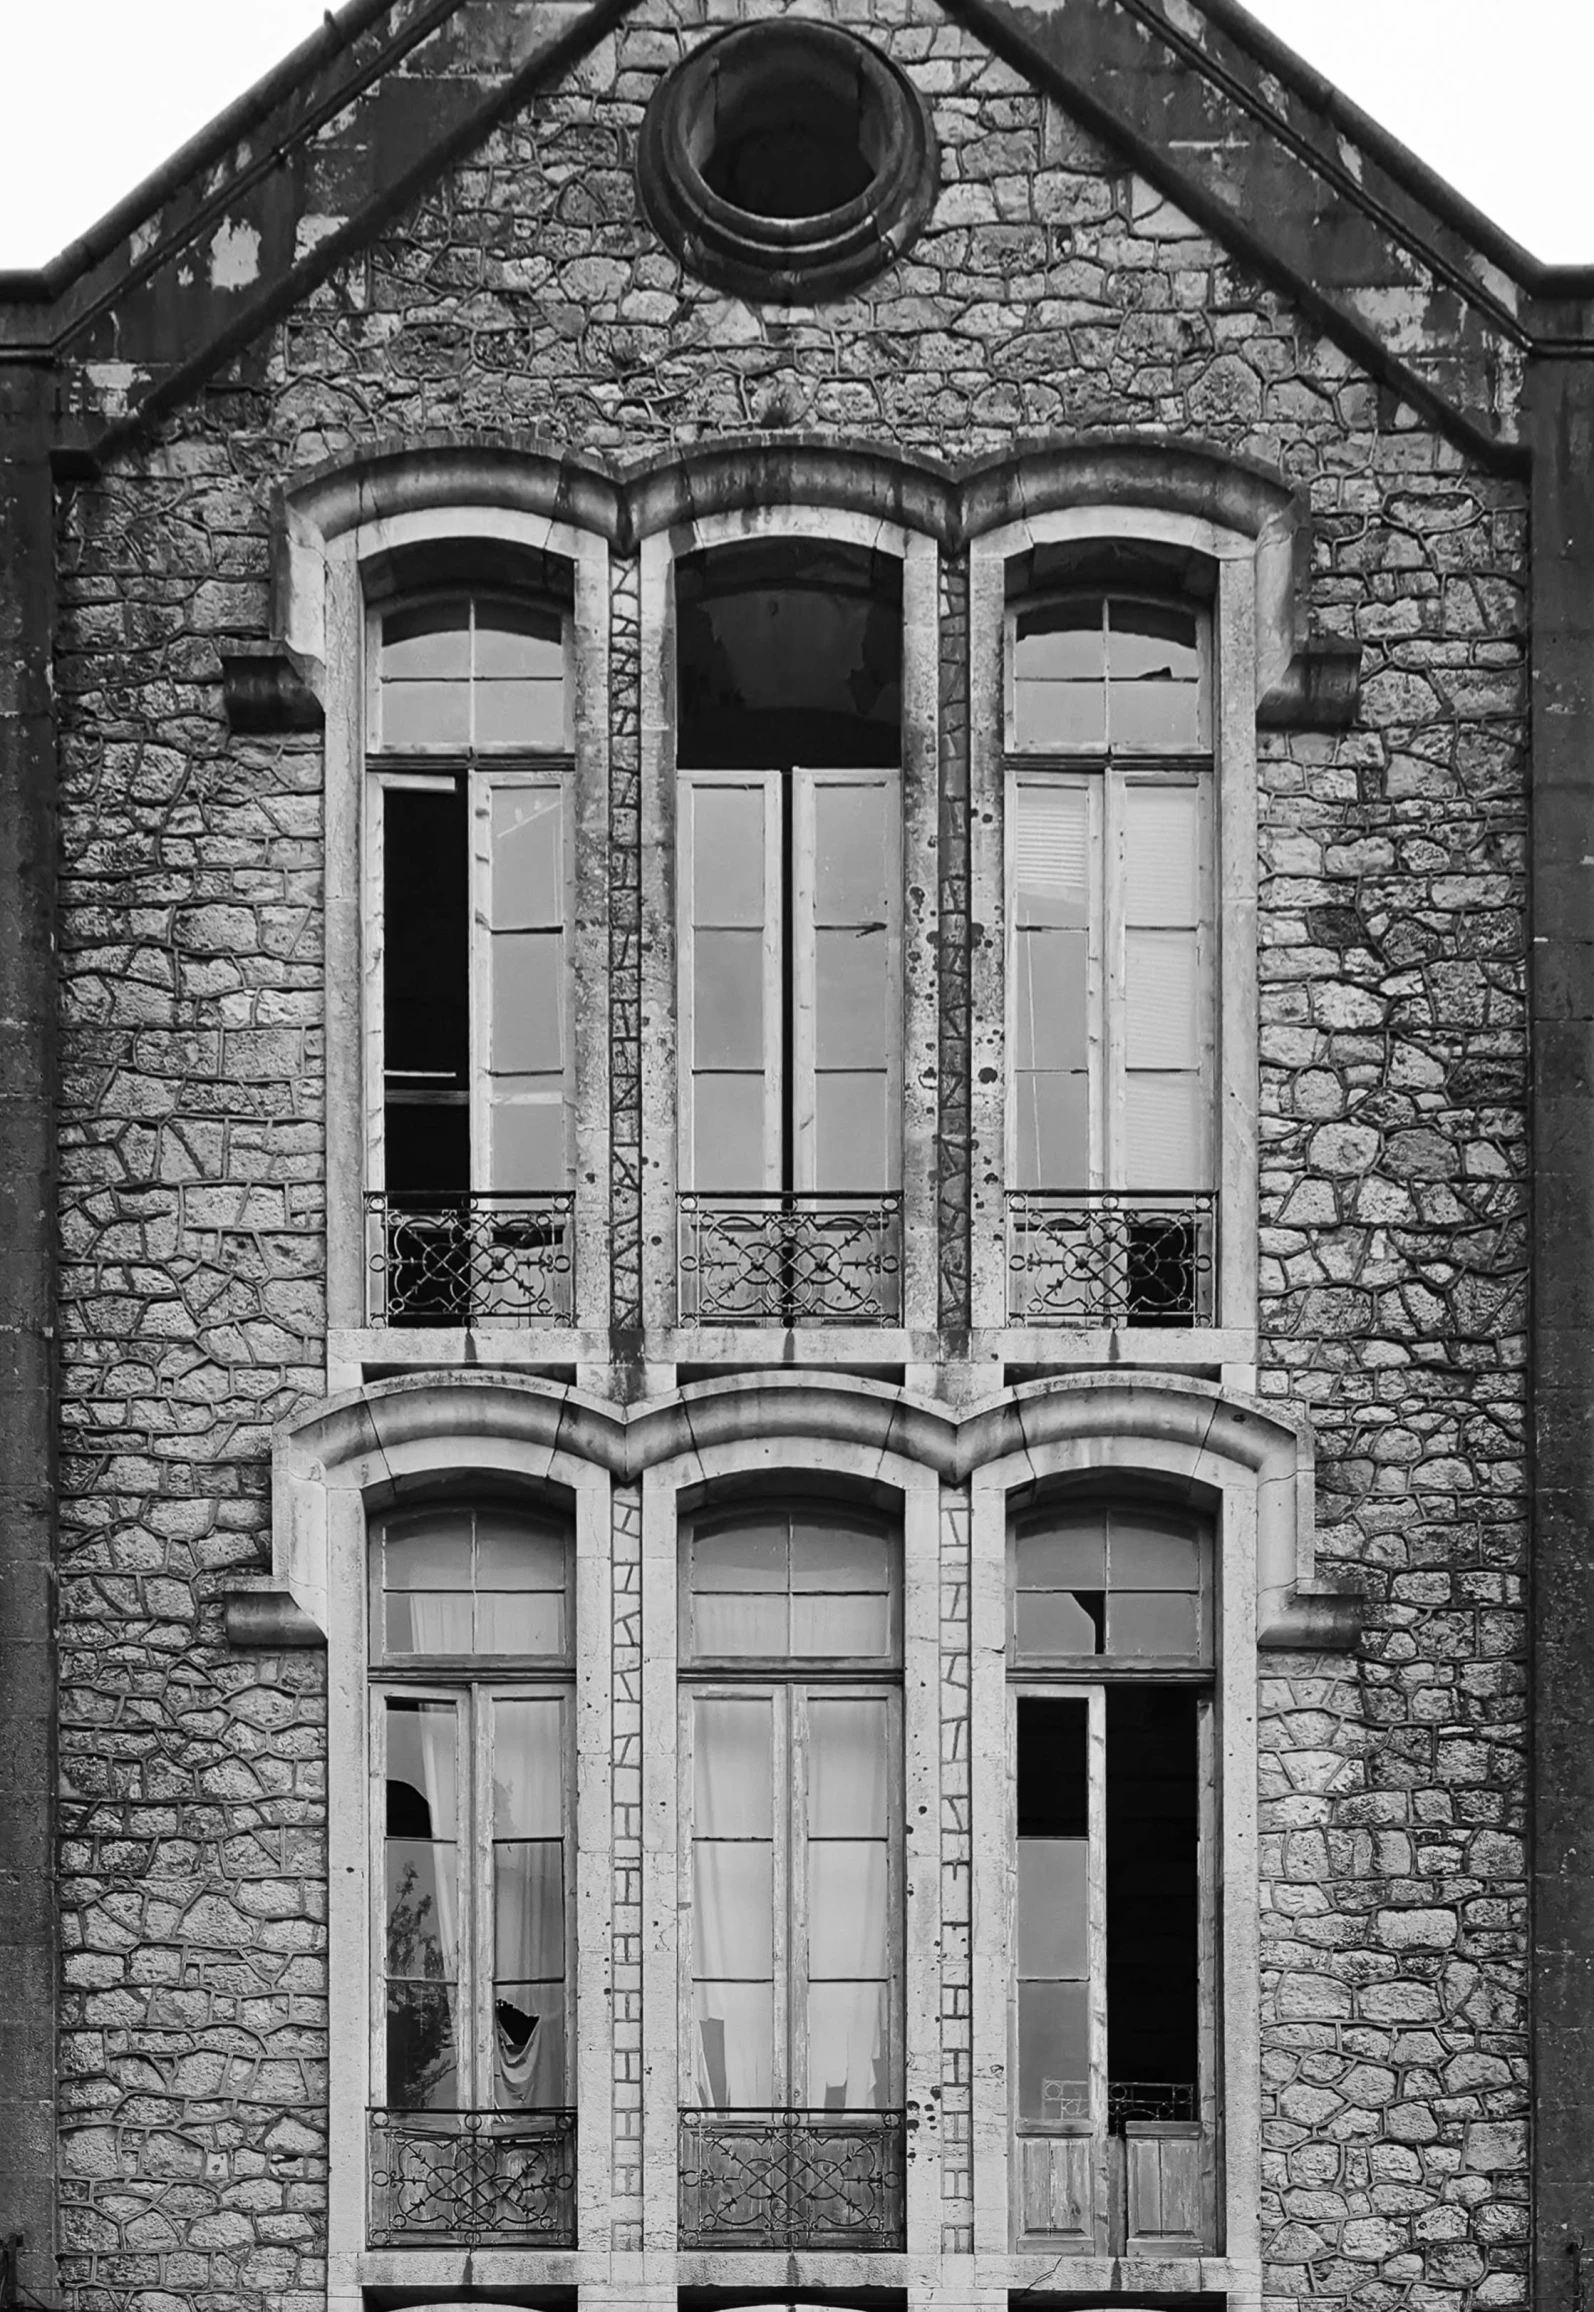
(790, 1257)
(1111, 1256)
(469, 1257)
(792, 2179)
(462, 2177)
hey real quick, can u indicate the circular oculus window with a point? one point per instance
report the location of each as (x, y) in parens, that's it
(787, 162)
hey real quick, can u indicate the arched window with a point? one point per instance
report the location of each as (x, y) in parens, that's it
(791, 1847)
(471, 1654)
(1111, 2001)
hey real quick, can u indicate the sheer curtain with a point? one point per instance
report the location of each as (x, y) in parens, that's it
(422, 1904)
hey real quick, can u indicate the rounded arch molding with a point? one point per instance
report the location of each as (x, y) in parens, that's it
(538, 1433)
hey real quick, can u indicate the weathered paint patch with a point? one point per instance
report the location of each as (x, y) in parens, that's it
(235, 257)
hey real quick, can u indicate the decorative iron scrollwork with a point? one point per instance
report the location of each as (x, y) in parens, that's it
(1111, 1256)
(792, 2179)
(464, 2176)
(787, 1257)
(471, 1257)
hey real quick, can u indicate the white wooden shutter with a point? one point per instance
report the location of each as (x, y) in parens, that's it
(1160, 1124)
(520, 1025)
(730, 994)
(846, 967)
(1054, 1023)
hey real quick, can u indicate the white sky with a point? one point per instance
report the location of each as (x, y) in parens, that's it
(1494, 94)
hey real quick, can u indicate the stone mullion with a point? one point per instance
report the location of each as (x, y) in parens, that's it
(957, 2054)
(625, 951)
(952, 1176)
(625, 1926)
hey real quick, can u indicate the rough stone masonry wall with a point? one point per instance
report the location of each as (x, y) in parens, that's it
(1053, 292)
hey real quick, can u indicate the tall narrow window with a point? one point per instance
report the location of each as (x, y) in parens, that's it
(1111, 995)
(1114, 2095)
(791, 1747)
(471, 1778)
(468, 744)
(788, 742)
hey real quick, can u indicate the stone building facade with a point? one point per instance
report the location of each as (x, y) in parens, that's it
(902, 692)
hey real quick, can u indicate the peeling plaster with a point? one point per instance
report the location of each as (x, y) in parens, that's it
(235, 257)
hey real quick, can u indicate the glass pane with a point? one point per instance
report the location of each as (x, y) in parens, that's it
(1061, 641)
(735, 2032)
(1054, 1907)
(1148, 1554)
(850, 851)
(744, 1556)
(422, 2067)
(840, 1628)
(428, 1622)
(846, 1908)
(529, 1910)
(528, 1141)
(512, 638)
(421, 1790)
(839, 1557)
(1063, 1556)
(430, 639)
(1147, 716)
(528, 866)
(1048, 1624)
(422, 1912)
(728, 854)
(1051, 854)
(520, 1622)
(847, 1745)
(1161, 1000)
(1164, 1143)
(425, 714)
(727, 1133)
(850, 1115)
(513, 1555)
(1151, 638)
(848, 2052)
(728, 999)
(733, 1893)
(1162, 855)
(1050, 715)
(1052, 1131)
(528, 1772)
(730, 1626)
(1050, 1002)
(528, 2046)
(733, 1776)
(1149, 1622)
(1053, 2052)
(528, 1003)
(852, 1028)
(432, 1556)
(520, 714)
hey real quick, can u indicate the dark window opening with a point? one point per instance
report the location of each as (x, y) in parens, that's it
(1153, 1898)
(425, 956)
(789, 133)
(789, 652)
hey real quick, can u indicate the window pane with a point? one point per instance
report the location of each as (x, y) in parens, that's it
(1162, 855)
(835, 1557)
(429, 639)
(733, 1892)
(527, 855)
(1052, 1131)
(520, 714)
(515, 639)
(422, 2065)
(1059, 714)
(520, 1622)
(1063, 1556)
(425, 714)
(528, 1772)
(428, 1622)
(1163, 1136)
(744, 1556)
(728, 854)
(528, 1003)
(1150, 1622)
(733, 1775)
(728, 999)
(528, 1142)
(528, 2046)
(846, 1908)
(848, 2058)
(847, 1762)
(850, 1112)
(421, 1790)
(1053, 1907)
(1151, 638)
(1061, 641)
(839, 1628)
(1162, 1018)
(528, 1910)
(727, 1133)
(1049, 1623)
(433, 1556)
(1149, 1554)
(1051, 854)
(850, 853)
(513, 1555)
(1053, 2052)
(851, 991)
(1050, 1002)
(728, 1627)
(735, 2032)
(422, 1909)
